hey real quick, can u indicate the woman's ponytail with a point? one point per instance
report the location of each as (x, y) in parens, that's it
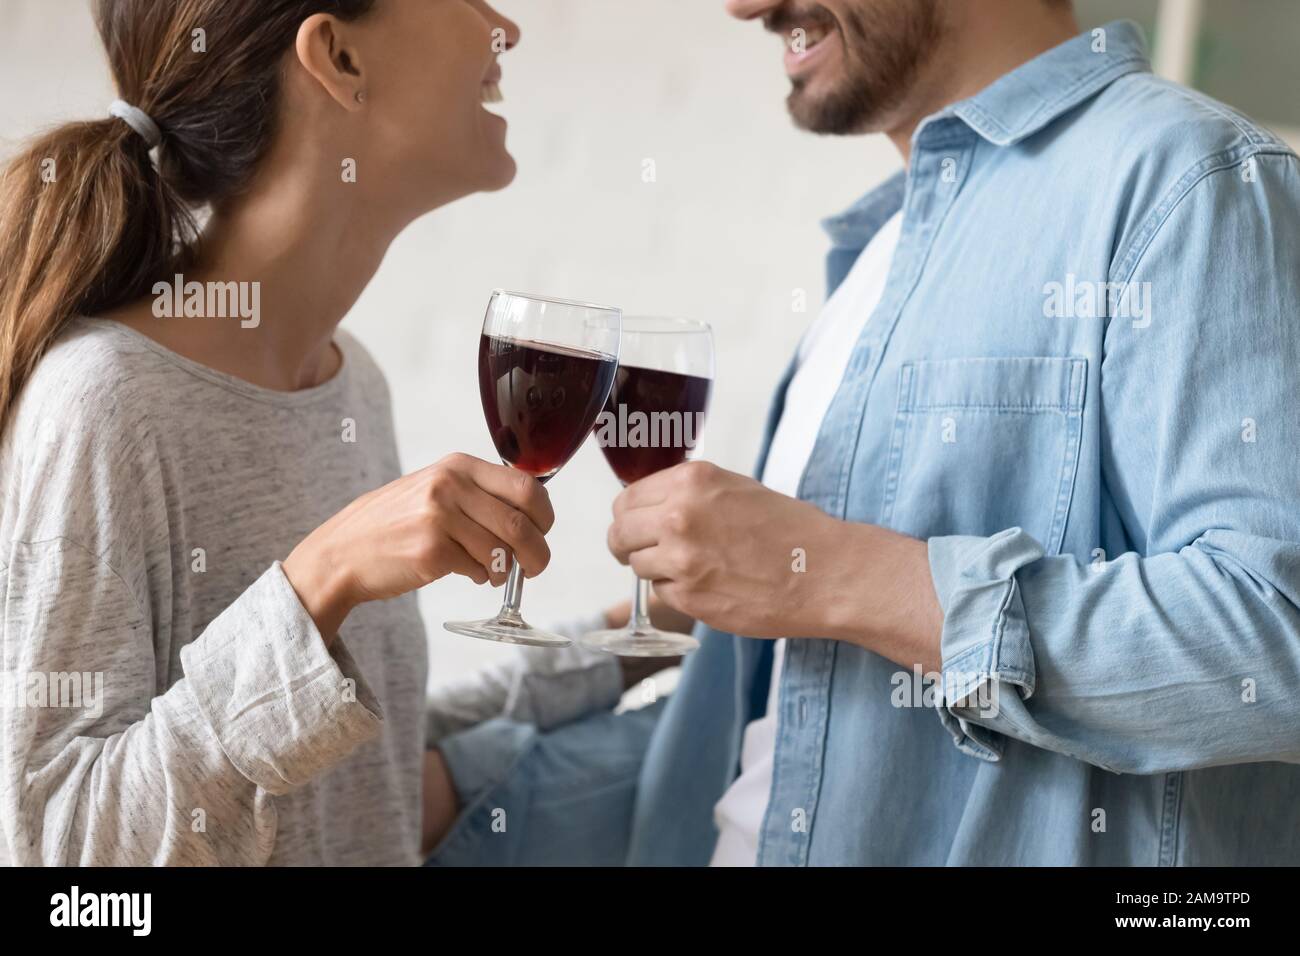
(86, 225)
(88, 221)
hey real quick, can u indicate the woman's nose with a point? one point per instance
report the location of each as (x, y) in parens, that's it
(501, 21)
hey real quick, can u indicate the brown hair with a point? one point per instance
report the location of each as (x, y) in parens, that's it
(87, 222)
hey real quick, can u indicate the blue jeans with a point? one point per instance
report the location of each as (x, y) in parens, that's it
(538, 811)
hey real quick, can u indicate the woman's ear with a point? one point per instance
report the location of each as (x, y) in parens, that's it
(330, 57)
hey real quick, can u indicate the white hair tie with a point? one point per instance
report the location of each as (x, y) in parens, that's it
(138, 120)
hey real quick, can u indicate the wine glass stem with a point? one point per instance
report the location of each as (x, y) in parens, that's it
(640, 620)
(514, 592)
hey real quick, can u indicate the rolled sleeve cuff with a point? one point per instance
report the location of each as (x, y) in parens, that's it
(283, 706)
(985, 646)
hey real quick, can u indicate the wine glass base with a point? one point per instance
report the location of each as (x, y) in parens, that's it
(650, 642)
(504, 631)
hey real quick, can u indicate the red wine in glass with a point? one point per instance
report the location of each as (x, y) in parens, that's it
(658, 414)
(545, 368)
(540, 400)
(651, 422)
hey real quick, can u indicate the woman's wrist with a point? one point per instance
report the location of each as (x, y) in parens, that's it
(321, 587)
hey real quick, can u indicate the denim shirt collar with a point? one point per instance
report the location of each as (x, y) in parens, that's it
(1034, 94)
(1014, 106)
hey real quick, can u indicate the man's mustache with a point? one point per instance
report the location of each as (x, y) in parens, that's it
(788, 17)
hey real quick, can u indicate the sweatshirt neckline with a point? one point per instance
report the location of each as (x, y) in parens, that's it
(270, 396)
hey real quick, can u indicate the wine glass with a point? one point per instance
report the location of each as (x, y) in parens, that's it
(545, 368)
(651, 422)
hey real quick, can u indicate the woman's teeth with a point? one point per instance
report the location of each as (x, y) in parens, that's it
(492, 93)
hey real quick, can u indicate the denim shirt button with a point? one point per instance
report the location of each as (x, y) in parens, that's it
(803, 710)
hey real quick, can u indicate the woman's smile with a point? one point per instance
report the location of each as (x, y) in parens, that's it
(491, 89)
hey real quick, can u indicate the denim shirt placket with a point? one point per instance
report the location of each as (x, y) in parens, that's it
(941, 157)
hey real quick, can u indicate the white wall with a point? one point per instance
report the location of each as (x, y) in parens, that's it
(726, 234)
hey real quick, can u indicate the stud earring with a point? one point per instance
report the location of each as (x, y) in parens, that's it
(361, 96)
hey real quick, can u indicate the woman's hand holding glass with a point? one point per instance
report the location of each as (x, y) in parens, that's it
(460, 516)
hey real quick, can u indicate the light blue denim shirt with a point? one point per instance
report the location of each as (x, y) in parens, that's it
(1082, 388)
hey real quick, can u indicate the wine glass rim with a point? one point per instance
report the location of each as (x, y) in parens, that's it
(671, 325)
(554, 300)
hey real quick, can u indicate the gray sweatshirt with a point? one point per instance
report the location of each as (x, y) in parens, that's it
(165, 697)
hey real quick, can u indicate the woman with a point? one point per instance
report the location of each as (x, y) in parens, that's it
(211, 642)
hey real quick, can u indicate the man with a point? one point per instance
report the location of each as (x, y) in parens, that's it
(1029, 522)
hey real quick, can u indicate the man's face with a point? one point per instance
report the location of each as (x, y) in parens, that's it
(851, 62)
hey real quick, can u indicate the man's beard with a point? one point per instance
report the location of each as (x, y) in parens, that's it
(885, 44)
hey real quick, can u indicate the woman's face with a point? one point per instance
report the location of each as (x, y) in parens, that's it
(431, 65)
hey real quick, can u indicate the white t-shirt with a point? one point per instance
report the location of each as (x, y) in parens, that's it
(823, 357)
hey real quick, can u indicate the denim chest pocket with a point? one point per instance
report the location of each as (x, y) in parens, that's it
(980, 445)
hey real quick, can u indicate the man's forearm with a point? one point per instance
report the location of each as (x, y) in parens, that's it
(879, 595)
(726, 550)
